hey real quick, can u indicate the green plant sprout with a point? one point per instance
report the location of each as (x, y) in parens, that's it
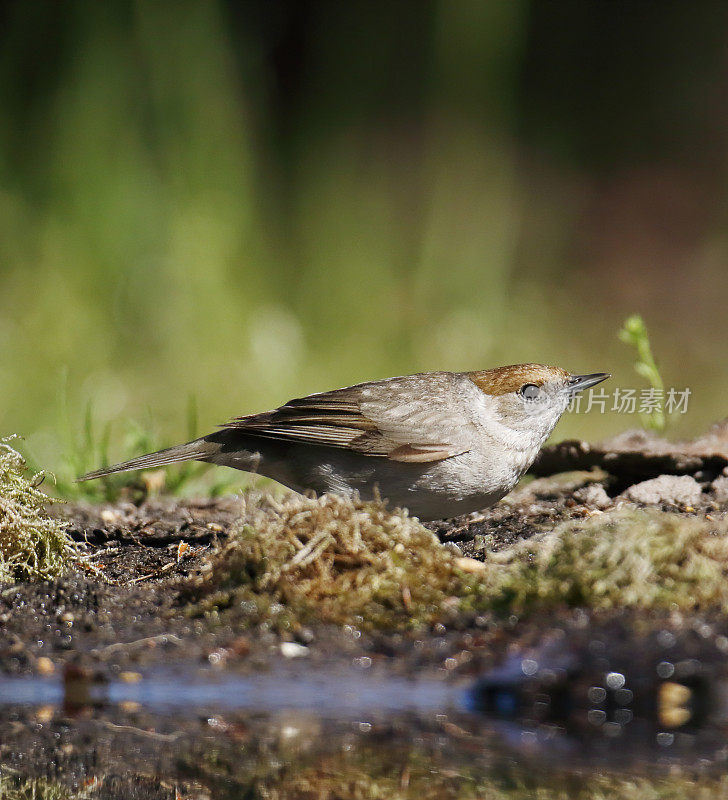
(634, 333)
(86, 447)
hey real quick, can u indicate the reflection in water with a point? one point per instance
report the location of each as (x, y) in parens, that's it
(564, 718)
(299, 755)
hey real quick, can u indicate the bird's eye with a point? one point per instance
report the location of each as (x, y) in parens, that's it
(529, 392)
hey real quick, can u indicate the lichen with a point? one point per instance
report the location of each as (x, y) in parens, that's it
(33, 545)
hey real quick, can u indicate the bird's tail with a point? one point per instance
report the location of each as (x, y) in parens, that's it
(198, 449)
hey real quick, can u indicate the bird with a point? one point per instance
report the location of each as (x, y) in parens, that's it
(440, 444)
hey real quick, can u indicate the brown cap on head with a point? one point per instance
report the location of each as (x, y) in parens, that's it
(504, 380)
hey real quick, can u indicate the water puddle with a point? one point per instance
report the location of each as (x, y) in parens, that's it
(540, 725)
(332, 696)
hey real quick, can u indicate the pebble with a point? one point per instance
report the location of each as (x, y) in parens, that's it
(110, 516)
(594, 495)
(674, 489)
(45, 666)
(719, 487)
(293, 650)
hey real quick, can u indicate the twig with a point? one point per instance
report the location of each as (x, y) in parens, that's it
(156, 573)
(162, 637)
(162, 737)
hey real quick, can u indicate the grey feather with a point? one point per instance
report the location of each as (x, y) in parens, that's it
(364, 418)
(198, 449)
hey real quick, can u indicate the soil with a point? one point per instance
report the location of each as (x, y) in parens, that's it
(121, 617)
(123, 610)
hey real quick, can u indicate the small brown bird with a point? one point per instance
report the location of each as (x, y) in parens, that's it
(437, 443)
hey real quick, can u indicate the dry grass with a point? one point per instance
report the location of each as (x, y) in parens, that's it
(638, 559)
(33, 546)
(336, 559)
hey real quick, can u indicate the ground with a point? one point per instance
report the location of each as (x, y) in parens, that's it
(125, 614)
(133, 594)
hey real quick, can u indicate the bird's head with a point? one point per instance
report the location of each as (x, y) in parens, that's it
(530, 398)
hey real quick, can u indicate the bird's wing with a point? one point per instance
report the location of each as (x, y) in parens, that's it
(401, 419)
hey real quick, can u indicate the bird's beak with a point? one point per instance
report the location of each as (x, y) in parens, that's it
(577, 383)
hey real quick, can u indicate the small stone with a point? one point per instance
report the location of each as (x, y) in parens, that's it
(110, 516)
(719, 488)
(673, 489)
(293, 650)
(594, 495)
(45, 666)
(45, 714)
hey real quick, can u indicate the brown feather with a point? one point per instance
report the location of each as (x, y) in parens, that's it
(335, 419)
(504, 380)
(414, 454)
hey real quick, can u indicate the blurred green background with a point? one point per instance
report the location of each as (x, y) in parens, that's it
(246, 202)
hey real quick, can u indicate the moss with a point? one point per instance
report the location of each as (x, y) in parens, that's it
(33, 545)
(15, 787)
(637, 559)
(330, 781)
(343, 561)
(335, 559)
(357, 770)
